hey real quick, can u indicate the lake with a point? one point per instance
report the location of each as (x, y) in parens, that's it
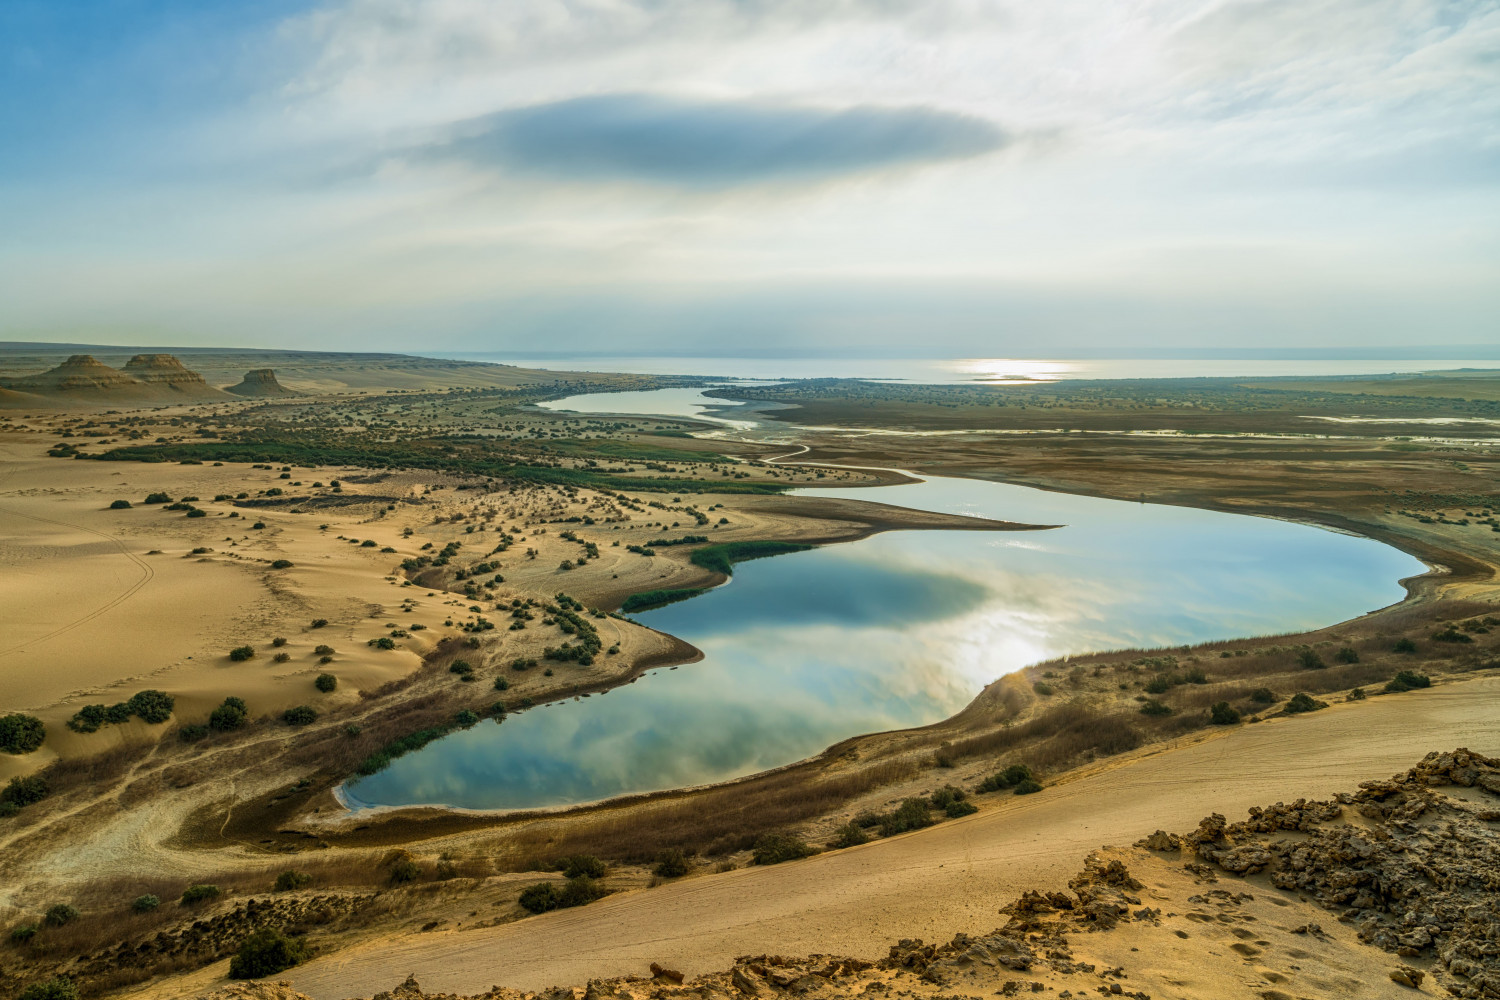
(900, 629)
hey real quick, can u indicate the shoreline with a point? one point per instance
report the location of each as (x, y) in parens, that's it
(1420, 589)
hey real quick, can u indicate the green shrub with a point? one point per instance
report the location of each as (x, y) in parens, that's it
(1043, 688)
(540, 898)
(157, 498)
(671, 863)
(199, 893)
(323, 650)
(192, 733)
(145, 903)
(154, 707)
(1404, 646)
(23, 932)
(1028, 786)
(1310, 660)
(302, 715)
(1008, 778)
(25, 791)
(912, 814)
(56, 988)
(326, 683)
(466, 717)
(1358, 694)
(501, 684)
(228, 716)
(405, 870)
(1196, 676)
(59, 914)
(292, 879)
(849, 835)
(120, 505)
(581, 864)
(282, 564)
(21, 733)
(240, 654)
(319, 622)
(1407, 680)
(382, 642)
(1347, 655)
(1153, 707)
(954, 810)
(267, 952)
(579, 892)
(947, 795)
(776, 847)
(1301, 702)
(1263, 696)
(1223, 714)
(279, 641)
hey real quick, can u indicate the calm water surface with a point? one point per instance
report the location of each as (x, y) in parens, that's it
(898, 630)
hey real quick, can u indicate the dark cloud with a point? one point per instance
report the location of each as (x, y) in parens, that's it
(715, 144)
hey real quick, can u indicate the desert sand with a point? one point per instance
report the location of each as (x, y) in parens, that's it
(932, 883)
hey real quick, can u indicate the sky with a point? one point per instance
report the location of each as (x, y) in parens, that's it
(877, 177)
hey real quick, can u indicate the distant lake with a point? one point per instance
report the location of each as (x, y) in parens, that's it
(965, 370)
(901, 629)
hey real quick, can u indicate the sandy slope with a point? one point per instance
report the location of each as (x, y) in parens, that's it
(933, 883)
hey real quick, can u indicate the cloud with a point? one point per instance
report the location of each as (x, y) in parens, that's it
(714, 144)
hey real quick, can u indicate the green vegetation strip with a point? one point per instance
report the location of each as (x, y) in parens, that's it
(658, 598)
(455, 455)
(721, 558)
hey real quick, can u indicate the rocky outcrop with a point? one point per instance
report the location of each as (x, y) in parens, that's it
(166, 370)
(146, 378)
(260, 382)
(1416, 871)
(81, 373)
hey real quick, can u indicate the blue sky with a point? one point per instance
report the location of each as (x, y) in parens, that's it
(965, 177)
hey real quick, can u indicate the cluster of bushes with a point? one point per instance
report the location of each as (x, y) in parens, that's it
(229, 716)
(1302, 702)
(1407, 680)
(326, 683)
(150, 706)
(21, 733)
(20, 792)
(777, 846)
(572, 623)
(1221, 713)
(1017, 778)
(583, 872)
(1162, 683)
(301, 715)
(56, 988)
(266, 952)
